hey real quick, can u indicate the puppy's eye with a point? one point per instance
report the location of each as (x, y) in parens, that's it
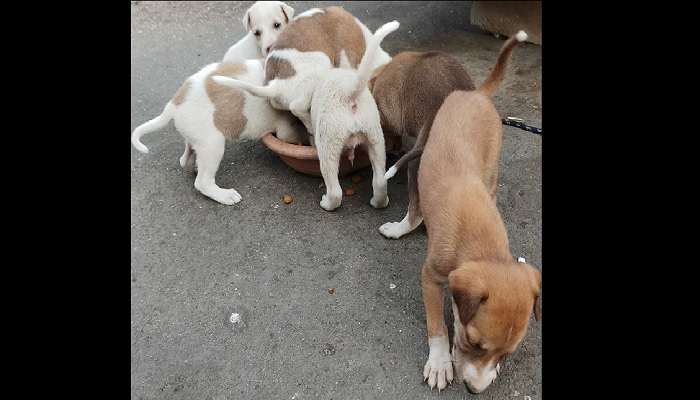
(257, 32)
(277, 25)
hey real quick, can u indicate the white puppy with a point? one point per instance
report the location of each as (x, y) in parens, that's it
(337, 105)
(264, 21)
(207, 113)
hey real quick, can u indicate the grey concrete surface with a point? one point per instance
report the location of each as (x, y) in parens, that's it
(194, 262)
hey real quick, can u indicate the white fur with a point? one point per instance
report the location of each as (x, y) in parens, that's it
(309, 13)
(394, 230)
(438, 369)
(343, 113)
(390, 173)
(263, 16)
(293, 94)
(521, 36)
(381, 57)
(194, 119)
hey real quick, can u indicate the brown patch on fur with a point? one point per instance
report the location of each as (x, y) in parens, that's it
(279, 68)
(330, 32)
(228, 102)
(181, 93)
(467, 239)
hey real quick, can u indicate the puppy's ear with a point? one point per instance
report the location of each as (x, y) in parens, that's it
(468, 291)
(287, 11)
(246, 21)
(536, 281)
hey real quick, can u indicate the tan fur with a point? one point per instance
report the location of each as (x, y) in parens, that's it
(330, 32)
(228, 103)
(282, 68)
(181, 93)
(467, 239)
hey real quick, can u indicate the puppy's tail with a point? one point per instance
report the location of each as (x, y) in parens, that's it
(364, 71)
(259, 91)
(496, 77)
(156, 123)
(412, 154)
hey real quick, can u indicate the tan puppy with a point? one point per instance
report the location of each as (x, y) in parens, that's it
(409, 91)
(492, 294)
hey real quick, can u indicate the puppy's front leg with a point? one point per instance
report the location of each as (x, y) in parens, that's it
(438, 369)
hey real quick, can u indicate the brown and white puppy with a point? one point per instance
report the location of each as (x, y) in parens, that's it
(207, 113)
(313, 43)
(493, 295)
(409, 91)
(264, 21)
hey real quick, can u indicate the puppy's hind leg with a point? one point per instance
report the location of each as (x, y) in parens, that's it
(413, 218)
(377, 156)
(209, 155)
(187, 158)
(329, 157)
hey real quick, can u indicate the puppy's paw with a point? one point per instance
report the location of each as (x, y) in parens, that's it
(228, 197)
(393, 230)
(438, 371)
(379, 201)
(329, 204)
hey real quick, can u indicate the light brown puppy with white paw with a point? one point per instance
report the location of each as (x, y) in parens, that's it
(493, 295)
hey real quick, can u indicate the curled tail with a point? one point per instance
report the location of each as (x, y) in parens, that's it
(259, 91)
(496, 77)
(364, 71)
(156, 123)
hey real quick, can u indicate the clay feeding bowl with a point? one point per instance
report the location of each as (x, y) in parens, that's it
(304, 159)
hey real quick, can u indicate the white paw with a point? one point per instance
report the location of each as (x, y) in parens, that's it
(393, 230)
(438, 372)
(379, 202)
(228, 197)
(390, 173)
(328, 204)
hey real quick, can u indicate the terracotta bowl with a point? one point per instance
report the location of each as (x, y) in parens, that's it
(305, 158)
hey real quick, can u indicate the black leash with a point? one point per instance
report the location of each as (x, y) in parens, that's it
(518, 123)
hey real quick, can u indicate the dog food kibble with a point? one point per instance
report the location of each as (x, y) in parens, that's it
(331, 290)
(356, 179)
(349, 191)
(287, 199)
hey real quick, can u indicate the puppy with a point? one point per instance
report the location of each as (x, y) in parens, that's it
(337, 108)
(344, 114)
(312, 44)
(492, 294)
(408, 91)
(207, 113)
(264, 21)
